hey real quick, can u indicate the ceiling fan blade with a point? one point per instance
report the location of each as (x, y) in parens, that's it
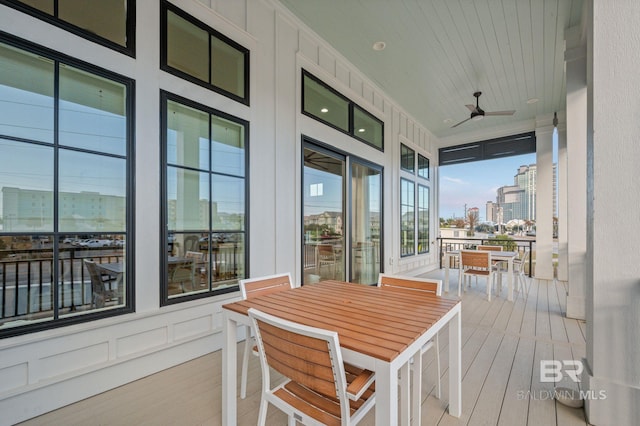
(500, 112)
(463, 121)
(472, 108)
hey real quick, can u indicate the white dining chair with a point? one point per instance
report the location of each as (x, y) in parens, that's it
(254, 287)
(423, 285)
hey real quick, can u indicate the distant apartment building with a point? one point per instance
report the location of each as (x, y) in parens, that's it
(26, 210)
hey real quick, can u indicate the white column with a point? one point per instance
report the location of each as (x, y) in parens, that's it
(544, 198)
(561, 170)
(613, 265)
(576, 76)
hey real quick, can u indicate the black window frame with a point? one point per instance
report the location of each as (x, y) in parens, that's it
(167, 7)
(351, 105)
(129, 255)
(129, 49)
(165, 97)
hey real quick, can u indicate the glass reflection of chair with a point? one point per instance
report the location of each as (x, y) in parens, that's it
(326, 257)
(99, 291)
(182, 271)
(199, 264)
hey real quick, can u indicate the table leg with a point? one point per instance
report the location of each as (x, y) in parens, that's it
(416, 397)
(447, 259)
(405, 390)
(386, 394)
(510, 279)
(455, 365)
(229, 371)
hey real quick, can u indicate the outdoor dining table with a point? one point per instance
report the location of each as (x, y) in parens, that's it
(507, 256)
(379, 329)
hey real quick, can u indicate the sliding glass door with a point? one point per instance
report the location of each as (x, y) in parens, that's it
(333, 210)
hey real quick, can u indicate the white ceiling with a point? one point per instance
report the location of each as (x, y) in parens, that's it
(438, 52)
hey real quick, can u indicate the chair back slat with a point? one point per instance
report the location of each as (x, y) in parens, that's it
(490, 248)
(254, 287)
(303, 359)
(475, 259)
(414, 283)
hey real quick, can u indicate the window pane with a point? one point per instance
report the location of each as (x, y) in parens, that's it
(227, 150)
(92, 194)
(423, 167)
(188, 199)
(92, 112)
(44, 5)
(26, 187)
(227, 67)
(92, 275)
(407, 227)
(325, 105)
(407, 158)
(423, 219)
(26, 95)
(366, 205)
(367, 127)
(187, 136)
(27, 266)
(187, 47)
(228, 203)
(106, 18)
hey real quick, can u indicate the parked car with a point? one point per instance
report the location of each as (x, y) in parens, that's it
(95, 243)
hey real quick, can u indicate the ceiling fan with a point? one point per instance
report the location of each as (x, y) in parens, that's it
(478, 113)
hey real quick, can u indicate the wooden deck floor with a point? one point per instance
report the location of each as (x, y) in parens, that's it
(503, 344)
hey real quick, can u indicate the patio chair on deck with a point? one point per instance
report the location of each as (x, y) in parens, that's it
(476, 263)
(319, 388)
(425, 285)
(254, 287)
(99, 291)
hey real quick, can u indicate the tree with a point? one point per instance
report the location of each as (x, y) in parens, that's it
(472, 219)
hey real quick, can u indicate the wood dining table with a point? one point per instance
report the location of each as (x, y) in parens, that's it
(379, 329)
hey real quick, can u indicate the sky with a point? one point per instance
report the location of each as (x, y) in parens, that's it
(476, 183)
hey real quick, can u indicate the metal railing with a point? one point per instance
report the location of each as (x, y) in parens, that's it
(26, 279)
(452, 243)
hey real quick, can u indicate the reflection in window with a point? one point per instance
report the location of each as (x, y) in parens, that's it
(423, 219)
(407, 158)
(194, 51)
(407, 219)
(109, 22)
(328, 106)
(64, 205)
(26, 95)
(423, 166)
(205, 207)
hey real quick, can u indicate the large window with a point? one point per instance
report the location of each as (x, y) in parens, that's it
(198, 53)
(205, 203)
(342, 211)
(414, 202)
(65, 174)
(108, 22)
(328, 106)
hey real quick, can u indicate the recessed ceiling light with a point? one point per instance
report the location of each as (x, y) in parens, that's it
(379, 45)
(532, 100)
(324, 110)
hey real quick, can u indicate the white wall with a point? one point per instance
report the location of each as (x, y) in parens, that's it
(613, 276)
(43, 371)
